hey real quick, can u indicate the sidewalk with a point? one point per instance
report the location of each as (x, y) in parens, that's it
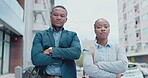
(10, 75)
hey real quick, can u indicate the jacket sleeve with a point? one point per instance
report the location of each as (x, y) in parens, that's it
(37, 56)
(93, 70)
(118, 66)
(70, 53)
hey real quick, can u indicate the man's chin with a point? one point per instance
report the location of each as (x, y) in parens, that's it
(57, 26)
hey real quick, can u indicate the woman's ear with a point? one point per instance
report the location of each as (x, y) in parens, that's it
(94, 30)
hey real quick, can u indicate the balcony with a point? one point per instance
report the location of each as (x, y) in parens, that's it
(137, 13)
(39, 7)
(125, 31)
(137, 25)
(126, 42)
(138, 38)
(41, 12)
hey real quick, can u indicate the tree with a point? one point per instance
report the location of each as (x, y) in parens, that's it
(79, 62)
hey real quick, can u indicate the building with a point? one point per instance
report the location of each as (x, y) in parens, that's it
(133, 28)
(37, 18)
(12, 30)
(19, 21)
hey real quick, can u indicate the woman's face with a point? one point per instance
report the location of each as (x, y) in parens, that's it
(102, 29)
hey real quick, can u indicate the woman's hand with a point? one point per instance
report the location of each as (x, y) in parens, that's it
(119, 75)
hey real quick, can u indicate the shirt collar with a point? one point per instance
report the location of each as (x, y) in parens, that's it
(54, 30)
(100, 46)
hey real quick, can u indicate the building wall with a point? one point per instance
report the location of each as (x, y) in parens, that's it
(36, 19)
(133, 27)
(16, 55)
(11, 33)
(4, 50)
(21, 2)
(11, 14)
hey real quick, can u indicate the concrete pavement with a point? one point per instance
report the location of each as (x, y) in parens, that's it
(10, 75)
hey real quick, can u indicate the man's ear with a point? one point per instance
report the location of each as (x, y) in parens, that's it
(66, 20)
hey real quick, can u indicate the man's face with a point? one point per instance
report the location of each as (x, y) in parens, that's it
(102, 29)
(58, 17)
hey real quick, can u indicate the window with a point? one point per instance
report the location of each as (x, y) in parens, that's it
(120, 40)
(136, 8)
(139, 47)
(131, 25)
(126, 39)
(132, 48)
(137, 22)
(120, 20)
(138, 35)
(124, 7)
(125, 28)
(135, 1)
(145, 31)
(144, 16)
(124, 16)
(146, 45)
(129, 2)
(129, 13)
(1, 38)
(144, 3)
(131, 36)
(39, 1)
(6, 54)
(126, 49)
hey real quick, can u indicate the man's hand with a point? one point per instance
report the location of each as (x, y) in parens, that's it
(119, 75)
(48, 51)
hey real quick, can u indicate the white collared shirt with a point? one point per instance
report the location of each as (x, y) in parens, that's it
(111, 60)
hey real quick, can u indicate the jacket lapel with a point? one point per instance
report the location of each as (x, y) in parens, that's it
(50, 35)
(63, 37)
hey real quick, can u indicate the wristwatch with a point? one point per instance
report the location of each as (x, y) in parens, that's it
(50, 50)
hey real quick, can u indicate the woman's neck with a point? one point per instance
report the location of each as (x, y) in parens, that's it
(102, 42)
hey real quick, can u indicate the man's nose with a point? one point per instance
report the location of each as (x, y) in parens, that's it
(59, 17)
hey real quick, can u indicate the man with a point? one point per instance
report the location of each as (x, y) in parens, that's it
(109, 60)
(56, 48)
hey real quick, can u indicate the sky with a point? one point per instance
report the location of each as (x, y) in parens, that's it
(83, 13)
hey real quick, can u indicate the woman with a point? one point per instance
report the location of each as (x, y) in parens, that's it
(109, 59)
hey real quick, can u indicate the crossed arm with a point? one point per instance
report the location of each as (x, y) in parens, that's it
(40, 57)
(105, 69)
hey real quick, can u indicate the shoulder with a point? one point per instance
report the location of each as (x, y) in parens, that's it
(70, 32)
(114, 44)
(42, 32)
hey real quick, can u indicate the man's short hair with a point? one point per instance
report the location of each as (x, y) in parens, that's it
(59, 6)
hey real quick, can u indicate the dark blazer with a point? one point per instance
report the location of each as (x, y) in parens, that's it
(69, 49)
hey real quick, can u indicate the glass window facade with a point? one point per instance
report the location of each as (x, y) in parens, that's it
(4, 52)
(145, 16)
(145, 31)
(1, 38)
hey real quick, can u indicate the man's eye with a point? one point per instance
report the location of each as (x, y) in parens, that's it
(55, 14)
(63, 16)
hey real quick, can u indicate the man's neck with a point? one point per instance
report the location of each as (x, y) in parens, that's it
(57, 28)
